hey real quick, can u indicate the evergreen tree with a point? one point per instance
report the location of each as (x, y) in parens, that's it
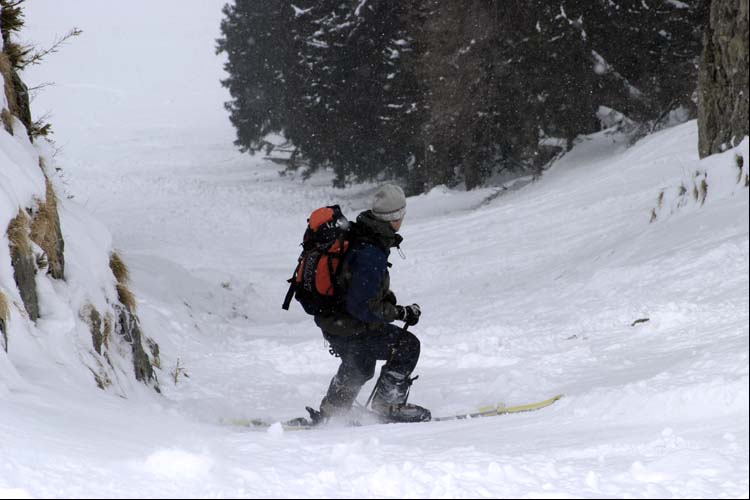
(357, 106)
(256, 46)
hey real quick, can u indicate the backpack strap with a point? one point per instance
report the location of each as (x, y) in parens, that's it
(289, 294)
(292, 285)
(340, 254)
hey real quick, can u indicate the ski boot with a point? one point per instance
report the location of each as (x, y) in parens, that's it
(389, 402)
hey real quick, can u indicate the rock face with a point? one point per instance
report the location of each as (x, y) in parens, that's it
(37, 250)
(723, 80)
(130, 330)
(23, 262)
(42, 227)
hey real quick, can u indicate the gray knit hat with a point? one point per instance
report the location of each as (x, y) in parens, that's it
(389, 203)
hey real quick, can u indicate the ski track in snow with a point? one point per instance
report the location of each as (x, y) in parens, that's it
(526, 294)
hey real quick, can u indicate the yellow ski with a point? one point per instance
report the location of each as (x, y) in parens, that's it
(501, 409)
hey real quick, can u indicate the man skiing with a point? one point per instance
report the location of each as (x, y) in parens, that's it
(362, 332)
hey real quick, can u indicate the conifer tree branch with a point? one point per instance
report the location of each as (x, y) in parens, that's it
(36, 57)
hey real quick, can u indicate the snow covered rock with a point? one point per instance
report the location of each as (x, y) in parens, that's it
(63, 307)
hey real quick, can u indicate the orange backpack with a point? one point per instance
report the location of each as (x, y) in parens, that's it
(324, 245)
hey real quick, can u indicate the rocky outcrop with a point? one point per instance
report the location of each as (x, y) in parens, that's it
(128, 327)
(35, 245)
(40, 227)
(23, 262)
(37, 250)
(723, 78)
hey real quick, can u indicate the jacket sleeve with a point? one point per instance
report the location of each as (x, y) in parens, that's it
(364, 300)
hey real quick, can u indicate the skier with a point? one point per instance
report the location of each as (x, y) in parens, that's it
(362, 332)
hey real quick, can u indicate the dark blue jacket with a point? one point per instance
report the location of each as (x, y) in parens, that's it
(369, 281)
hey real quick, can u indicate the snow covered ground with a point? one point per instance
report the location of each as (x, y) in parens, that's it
(526, 294)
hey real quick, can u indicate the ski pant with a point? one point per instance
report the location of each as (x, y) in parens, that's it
(359, 355)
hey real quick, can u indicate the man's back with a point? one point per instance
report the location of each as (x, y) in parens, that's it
(365, 280)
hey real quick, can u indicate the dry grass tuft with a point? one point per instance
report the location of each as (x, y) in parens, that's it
(119, 268)
(6, 72)
(18, 233)
(45, 232)
(107, 331)
(92, 317)
(4, 311)
(7, 120)
(703, 191)
(127, 298)
(122, 275)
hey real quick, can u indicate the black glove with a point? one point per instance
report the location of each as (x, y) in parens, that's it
(390, 297)
(409, 314)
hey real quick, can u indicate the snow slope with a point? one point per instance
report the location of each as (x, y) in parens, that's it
(525, 294)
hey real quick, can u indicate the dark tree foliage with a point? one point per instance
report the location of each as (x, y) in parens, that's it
(556, 63)
(447, 91)
(358, 104)
(256, 45)
(650, 46)
(329, 76)
(561, 61)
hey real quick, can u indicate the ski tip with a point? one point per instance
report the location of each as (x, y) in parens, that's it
(530, 407)
(502, 407)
